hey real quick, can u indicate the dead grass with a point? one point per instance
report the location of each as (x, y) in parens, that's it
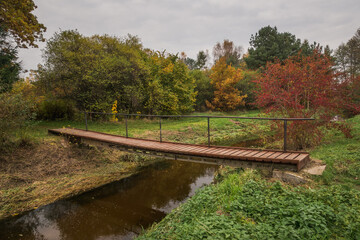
(54, 169)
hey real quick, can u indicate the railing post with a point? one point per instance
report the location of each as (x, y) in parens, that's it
(86, 125)
(160, 130)
(285, 127)
(126, 125)
(208, 123)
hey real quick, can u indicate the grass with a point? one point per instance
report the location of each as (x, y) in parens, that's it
(245, 206)
(342, 157)
(188, 130)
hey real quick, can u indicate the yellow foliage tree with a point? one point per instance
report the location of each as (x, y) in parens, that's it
(224, 78)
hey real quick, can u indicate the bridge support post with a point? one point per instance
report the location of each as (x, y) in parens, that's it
(126, 125)
(285, 128)
(208, 123)
(160, 130)
(86, 125)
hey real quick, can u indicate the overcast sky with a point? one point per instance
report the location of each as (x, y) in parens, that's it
(194, 25)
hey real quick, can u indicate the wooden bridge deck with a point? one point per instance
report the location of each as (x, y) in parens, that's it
(298, 159)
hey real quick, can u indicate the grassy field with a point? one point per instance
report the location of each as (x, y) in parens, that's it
(188, 130)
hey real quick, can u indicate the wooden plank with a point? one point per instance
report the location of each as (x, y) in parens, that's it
(260, 154)
(292, 156)
(283, 156)
(301, 157)
(251, 154)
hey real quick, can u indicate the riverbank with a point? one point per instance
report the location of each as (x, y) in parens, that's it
(46, 168)
(246, 205)
(53, 169)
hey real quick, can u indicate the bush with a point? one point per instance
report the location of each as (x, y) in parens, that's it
(14, 114)
(56, 109)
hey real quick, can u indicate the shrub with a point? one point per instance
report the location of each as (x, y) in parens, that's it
(56, 109)
(14, 114)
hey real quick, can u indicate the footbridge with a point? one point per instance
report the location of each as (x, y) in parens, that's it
(220, 155)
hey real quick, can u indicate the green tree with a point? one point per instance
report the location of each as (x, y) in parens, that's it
(202, 59)
(203, 87)
(170, 88)
(94, 71)
(17, 19)
(268, 44)
(9, 67)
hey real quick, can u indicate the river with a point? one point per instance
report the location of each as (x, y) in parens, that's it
(120, 210)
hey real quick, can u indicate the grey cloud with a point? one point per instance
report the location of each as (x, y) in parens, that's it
(190, 26)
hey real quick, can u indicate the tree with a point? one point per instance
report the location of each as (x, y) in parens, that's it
(301, 86)
(94, 71)
(203, 87)
(202, 59)
(348, 65)
(224, 78)
(9, 67)
(228, 51)
(170, 89)
(268, 44)
(16, 19)
(348, 57)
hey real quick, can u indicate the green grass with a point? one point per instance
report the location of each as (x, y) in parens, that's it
(342, 157)
(244, 206)
(223, 131)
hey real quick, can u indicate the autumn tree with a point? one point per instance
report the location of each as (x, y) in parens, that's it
(229, 51)
(301, 86)
(17, 19)
(224, 77)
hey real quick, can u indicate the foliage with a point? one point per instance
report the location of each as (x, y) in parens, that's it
(93, 71)
(303, 86)
(15, 111)
(243, 206)
(247, 86)
(170, 88)
(9, 67)
(16, 18)
(205, 91)
(224, 78)
(268, 44)
(228, 51)
(348, 65)
(202, 59)
(348, 57)
(56, 109)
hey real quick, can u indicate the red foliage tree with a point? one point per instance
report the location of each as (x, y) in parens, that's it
(301, 86)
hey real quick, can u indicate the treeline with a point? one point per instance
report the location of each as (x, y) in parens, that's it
(94, 72)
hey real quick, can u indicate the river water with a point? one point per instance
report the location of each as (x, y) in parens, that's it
(120, 210)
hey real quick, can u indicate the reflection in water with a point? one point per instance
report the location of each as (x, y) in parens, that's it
(117, 210)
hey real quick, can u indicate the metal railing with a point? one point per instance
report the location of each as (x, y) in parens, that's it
(285, 120)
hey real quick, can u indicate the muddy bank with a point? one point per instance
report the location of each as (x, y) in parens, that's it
(54, 169)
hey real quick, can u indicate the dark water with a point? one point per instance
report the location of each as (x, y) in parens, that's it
(119, 210)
